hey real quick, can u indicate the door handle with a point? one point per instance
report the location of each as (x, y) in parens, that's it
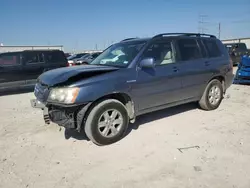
(207, 63)
(175, 69)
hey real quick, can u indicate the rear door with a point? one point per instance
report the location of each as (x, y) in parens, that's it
(215, 60)
(193, 62)
(10, 70)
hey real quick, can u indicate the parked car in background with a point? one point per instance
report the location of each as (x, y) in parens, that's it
(67, 55)
(151, 74)
(21, 69)
(75, 56)
(236, 51)
(86, 59)
(242, 75)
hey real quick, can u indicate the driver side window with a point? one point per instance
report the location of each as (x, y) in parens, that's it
(161, 51)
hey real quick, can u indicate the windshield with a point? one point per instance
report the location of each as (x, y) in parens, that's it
(119, 55)
(84, 56)
(75, 56)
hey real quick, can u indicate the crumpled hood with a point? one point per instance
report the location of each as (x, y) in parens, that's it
(60, 75)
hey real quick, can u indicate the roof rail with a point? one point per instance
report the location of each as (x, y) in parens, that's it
(128, 39)
(185, 34)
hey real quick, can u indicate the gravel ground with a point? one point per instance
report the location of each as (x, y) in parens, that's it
(216, 149)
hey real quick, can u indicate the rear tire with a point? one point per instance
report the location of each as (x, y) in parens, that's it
(107, 122)
(212, 96)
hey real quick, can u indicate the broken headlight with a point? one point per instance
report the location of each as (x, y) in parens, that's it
(64, 95)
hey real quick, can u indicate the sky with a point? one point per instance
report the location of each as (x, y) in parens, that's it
(90, 24)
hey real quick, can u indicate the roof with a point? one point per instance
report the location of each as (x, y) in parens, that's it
(136, 40)
(187, 35)
(236, 39)
(21, 51)
(11, 46)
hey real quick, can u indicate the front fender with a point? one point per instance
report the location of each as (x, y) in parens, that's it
(94, 91)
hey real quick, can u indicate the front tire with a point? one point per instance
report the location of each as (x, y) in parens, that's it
(212, 95)
(107, 122)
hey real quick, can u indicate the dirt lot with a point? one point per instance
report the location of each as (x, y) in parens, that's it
(36, 155)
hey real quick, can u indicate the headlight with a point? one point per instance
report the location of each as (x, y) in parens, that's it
(64, 95)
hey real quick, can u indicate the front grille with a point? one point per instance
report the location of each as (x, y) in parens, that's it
(41, 92)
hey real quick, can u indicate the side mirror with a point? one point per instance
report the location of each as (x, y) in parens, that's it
(147, 63)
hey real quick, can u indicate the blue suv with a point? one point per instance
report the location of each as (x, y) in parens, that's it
(133, 77)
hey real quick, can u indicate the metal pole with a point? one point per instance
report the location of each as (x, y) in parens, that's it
(219, 30)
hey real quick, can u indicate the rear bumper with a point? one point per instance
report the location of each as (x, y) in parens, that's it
(242, 76)
(241, 81)
(229, 81)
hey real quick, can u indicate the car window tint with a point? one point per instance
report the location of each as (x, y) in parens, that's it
(162, 52)
(202, 48)
(9, 59)
(31, 57)
(189, 49)
(212, 48)
(55, 57)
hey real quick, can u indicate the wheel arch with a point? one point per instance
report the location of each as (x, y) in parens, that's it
(124, 98)
(221, 79)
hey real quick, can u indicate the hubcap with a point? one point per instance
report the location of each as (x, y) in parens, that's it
(214, 95)
(110, 123)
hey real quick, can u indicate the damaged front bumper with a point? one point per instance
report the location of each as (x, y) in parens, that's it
(71, 117)
(37, 104)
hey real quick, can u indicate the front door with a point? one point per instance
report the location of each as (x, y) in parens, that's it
(158, 86)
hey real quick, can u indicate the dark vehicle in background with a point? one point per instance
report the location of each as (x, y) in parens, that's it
(236, 51)
(21, 69)
(148, 74)
(86, 59)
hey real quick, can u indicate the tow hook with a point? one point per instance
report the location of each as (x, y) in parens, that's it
(46, 115)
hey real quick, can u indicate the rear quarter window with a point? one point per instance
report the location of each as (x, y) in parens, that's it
(212, 48)
(9, 59)
(56, 57)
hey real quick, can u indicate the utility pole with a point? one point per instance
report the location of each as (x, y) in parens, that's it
(201, 28)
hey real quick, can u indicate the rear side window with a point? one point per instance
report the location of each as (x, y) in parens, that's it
(212, 48)
(189, 49)
(33, 57)
(55, 57)
(9, 59)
